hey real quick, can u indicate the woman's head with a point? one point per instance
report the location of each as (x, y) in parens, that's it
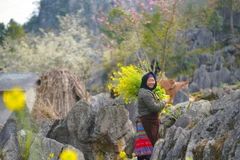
(149, 81)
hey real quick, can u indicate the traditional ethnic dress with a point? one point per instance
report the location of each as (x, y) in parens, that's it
(143, 146)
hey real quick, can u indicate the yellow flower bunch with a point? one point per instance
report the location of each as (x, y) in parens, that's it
(126, 82)
(14, 99)
(123, 155)
(68, 154)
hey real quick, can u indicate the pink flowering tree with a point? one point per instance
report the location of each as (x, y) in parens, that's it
(133, 26)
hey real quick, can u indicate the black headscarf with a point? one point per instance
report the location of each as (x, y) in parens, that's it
(144, 81)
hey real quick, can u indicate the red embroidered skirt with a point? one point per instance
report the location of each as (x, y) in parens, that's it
(142, 144)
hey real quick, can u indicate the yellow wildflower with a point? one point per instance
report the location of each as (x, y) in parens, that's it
(133, 155)
(51, 155)
(68, 155)
(14, 99)
(123, 155)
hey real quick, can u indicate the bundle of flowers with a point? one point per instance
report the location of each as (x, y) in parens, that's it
(127, 81)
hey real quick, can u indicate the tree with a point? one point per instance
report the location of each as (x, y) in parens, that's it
(2, 32)
(214, 24)
(14, 30)
(231, 5)
(146, 28)
(69, 48)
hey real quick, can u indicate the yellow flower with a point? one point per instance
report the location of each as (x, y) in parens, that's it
(133, 155)
(14, 99)
(123, 155)
(51, 155)
(188, 158)
(68, 155)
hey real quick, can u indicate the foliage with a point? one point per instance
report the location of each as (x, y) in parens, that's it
(25, 144)
(231, 5)
(126, 82)
(14, 30)
(182, 63)
(161, 93)
(145, 30)
(177, 114)
(15, 100)
(214, 21)
(238, 84)
(222, 85)
(2, 32)
(69, 48)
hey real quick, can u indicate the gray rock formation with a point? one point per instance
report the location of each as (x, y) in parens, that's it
(41, 148)
(104, 131)
(49, 10)
(199, 38)
(211, 131)
(18, 140)
(211, 71)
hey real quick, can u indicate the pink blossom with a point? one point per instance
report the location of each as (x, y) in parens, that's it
(101, 19)
(133, 10)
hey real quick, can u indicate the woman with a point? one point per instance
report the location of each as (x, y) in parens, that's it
(149, 107)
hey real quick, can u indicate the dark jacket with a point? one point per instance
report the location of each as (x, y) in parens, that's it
(147, 102)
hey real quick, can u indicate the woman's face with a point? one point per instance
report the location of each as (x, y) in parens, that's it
(151, 82)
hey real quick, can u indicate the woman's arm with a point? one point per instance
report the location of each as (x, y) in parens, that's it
(150, 101)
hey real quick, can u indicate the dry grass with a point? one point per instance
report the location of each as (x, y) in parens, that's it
(58, 92)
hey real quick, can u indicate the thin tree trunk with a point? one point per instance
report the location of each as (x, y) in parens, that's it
(214, 41)
(166, 39)
(231, 17)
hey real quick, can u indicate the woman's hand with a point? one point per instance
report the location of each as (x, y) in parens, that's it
(167, 101)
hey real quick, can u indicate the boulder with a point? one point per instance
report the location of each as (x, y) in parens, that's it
(95, 130)
(214, 135)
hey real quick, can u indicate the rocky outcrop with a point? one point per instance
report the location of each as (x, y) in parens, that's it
(204, 131)
(199, 38)
(96, 130)
(18, 140)
(217, 69)
(49, 10)
(27, 145)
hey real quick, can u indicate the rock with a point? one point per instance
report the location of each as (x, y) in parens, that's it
(215, 135)
(173, 146)
(199, 38)
(100, 101)
(106, 131)
(193, 113)
(10, 150)
(181, 96)
(17, 121)
(41, 148)
(133, 111)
